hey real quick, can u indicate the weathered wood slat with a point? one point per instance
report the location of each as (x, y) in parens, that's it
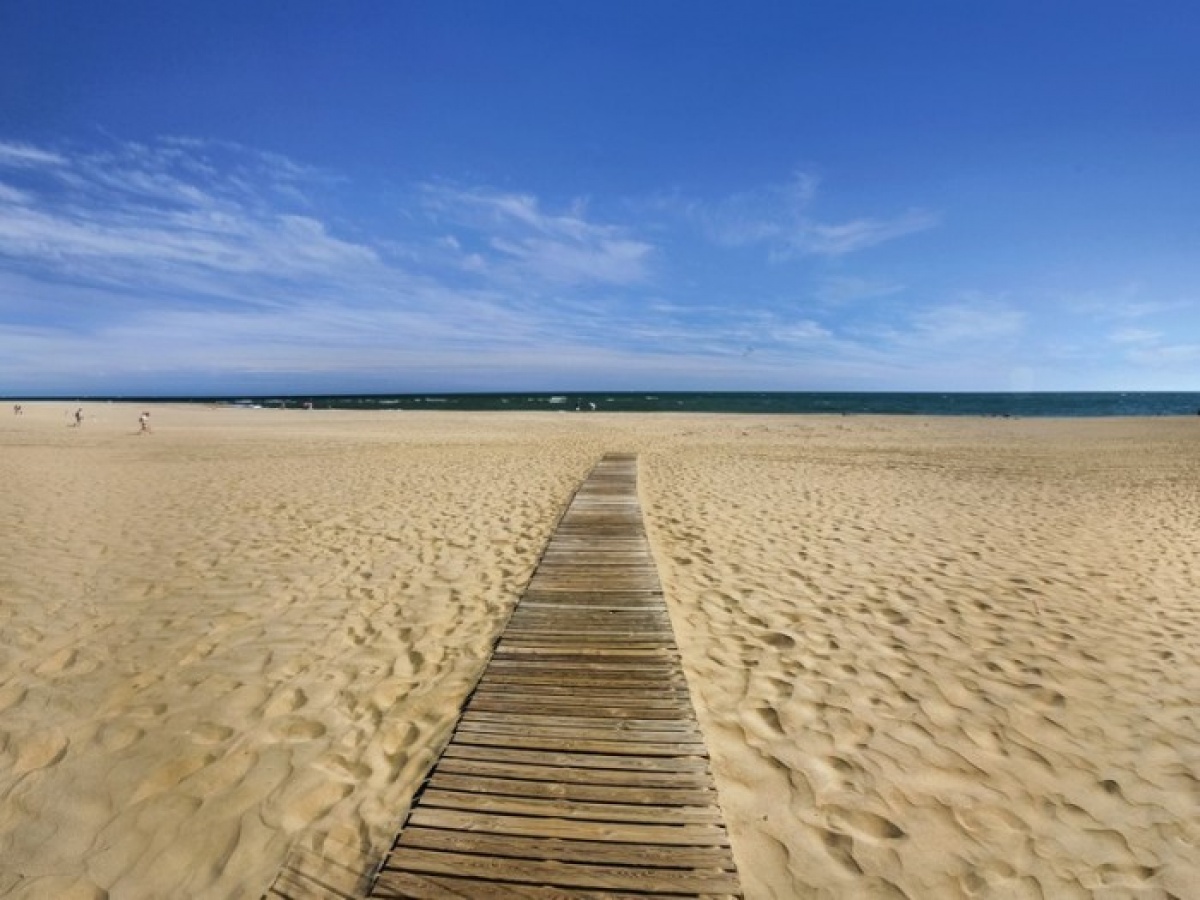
(591, 624)
(550, 684)
(648, 796)
(584, 700)
(562, 874)
(582, 810)
(684, 780)
(571, 829)
(564, 851)
(575, 687)
(581, 724)
(588, 620)
(537, 741)
(577, 768)
(611, 667)
(565, 727)
(591, 629)
(577, 760)
(393, 885)
(563, 709)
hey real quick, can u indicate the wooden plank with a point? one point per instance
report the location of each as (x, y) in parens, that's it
(517, 702)
(664, 662)
(590, 625)
(536, 688)
(567, 619)
(636, 599)
(557, 874)
(600, 793)
(597, 703)
(394, 885)
(550, 684)
(529, 666)
(566, 709)
(535, 646)
(582, 676)
(562, 808)
(590, 628)
(593, 623)
(697, 779)
(570, 726)
(570, 829)
(582, 723)
(588, 586)
(578, 760)
(534, 740)
(564, 851)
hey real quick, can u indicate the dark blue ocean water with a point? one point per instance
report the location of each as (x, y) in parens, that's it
(925, 404)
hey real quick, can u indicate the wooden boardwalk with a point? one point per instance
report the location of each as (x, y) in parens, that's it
(577, 768)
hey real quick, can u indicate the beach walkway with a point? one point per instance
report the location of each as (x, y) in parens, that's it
(577, 768)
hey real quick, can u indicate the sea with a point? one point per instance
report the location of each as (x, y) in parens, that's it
(1025, 405)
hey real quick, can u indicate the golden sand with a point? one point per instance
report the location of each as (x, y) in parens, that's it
(932, 658)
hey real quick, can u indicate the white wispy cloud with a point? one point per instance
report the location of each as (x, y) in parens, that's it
(1135, 336)
(838, 290)
(520, 238)
(972, 342)
(783, 219)
(767, 215)
(157, 220)
(11, 195)
(1168, 356)
(969, 321)
(24, 156)
(841, 238)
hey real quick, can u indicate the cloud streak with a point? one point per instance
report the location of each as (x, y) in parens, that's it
(782, 219)
(127, 218)
(524, 241)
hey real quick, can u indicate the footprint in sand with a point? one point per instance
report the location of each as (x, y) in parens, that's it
(343, 767)
(57, 663)
(210, 733)
(295, 730)
(840, 848)
(304, 800)
(40, 751)
(864, 824)
(779, 640)
(1112, 788)
(149, 710)
(119, 735)
(1128, 875)
(11, 696)
(167, 776)
(286, 701)
(768, 719)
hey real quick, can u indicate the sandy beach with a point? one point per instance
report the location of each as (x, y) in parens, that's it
(931, 657)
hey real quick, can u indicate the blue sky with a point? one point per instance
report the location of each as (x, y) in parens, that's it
(311, 197)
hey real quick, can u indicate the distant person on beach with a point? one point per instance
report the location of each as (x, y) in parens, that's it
(79, 417)
(144, 422)
(17, 411)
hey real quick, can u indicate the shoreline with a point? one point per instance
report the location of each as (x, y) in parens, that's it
(938, 656)
(982, 404)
